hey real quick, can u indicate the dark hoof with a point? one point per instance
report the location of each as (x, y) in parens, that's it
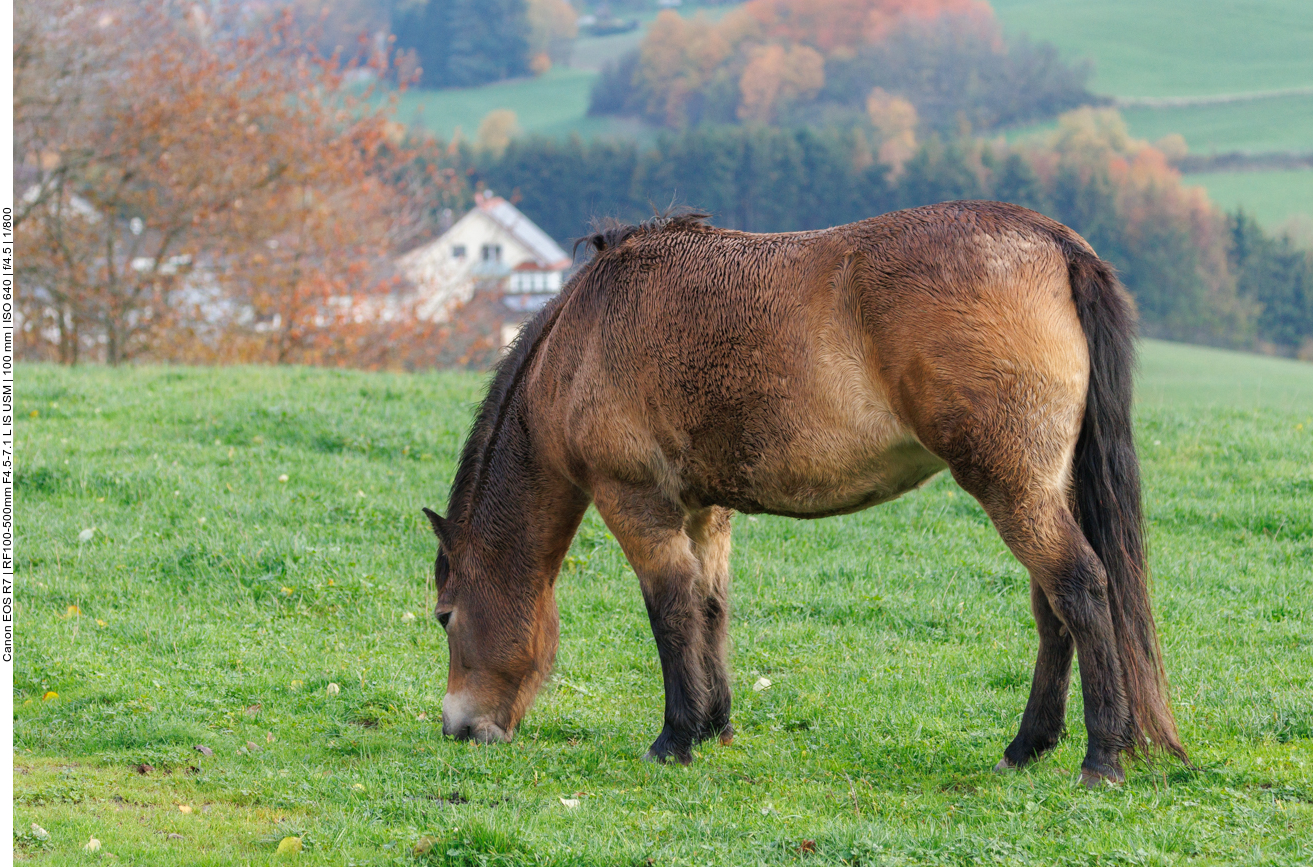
(1097, 778)
(664, 757)
(727, 735)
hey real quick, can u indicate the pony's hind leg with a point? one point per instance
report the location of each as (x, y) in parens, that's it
(710, 531)
(1044, 720)
(1040, 530)
(652, 532)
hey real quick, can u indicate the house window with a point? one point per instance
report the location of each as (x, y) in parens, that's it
(492, 252)
(458, 251)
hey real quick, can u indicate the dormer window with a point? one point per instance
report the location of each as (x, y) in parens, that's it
(492, 252)
(458, 251)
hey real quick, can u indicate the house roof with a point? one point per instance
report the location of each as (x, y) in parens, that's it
(547, 252)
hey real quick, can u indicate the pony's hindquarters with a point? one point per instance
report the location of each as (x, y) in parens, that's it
(998, 382)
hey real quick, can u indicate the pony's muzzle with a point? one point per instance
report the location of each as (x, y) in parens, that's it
(484, 732)
(462, 726)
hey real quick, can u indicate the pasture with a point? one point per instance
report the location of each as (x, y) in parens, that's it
(1175, 47)
(255, 541)
(553, 104)
(1272, 197)
(1254, 126)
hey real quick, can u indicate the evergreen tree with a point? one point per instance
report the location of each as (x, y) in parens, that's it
(1273, 272)
(1016, 182)
(938, 173)
(1084, 198)
(465, 42)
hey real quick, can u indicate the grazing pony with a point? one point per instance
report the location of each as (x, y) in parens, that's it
(688, 372)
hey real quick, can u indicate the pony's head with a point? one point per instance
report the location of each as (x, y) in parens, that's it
(502, 631)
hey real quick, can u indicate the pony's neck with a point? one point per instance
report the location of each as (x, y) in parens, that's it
(522, 514)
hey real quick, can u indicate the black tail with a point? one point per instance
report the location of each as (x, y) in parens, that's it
(1107, 482)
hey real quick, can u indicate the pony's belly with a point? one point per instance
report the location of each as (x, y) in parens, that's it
(809, 488)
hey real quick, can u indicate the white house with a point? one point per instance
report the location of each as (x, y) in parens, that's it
(493, 241)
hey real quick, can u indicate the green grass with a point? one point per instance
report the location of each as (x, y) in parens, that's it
(1271, 196)
(554, 104)
(1256, 126)
(216, 603)
(1176, 47)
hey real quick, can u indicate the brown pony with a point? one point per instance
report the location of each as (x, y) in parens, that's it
(688, 372)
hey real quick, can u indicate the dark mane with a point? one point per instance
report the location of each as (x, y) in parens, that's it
(609, 233)
(487, 424)
(486, 428)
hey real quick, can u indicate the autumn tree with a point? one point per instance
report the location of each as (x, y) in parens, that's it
(223, 197)
(552, 29)
(776, 77)
(800, 62)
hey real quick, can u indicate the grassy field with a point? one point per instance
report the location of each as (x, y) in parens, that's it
(1175, 47)
(1257, 126)
(553, 104)
(1271, 196)
(204, 553)
(1197, 48)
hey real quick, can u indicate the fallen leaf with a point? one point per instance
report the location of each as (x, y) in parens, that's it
(283, 478)
(99, 622)
(203, 750)
(254, 709)
(93, 845)
(289, 846)
(570, 803)
(73, 611)
(422, 716)
(252, 747)
(424, 846)
(333, 689)
(806, 847)
(408, 617)
(184, 808)
(269, 738)
(85, 535)
(50, 695)
(176, 837)
(359, 787)
(143, 769)
(762, 683)
(39, 832)
(297, 684)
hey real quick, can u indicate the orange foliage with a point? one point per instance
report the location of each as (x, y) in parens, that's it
(894, 118)
(775, 77)
(228, 201)
(832, 25)
(776, 49)
(676, 59)
(1148, 195)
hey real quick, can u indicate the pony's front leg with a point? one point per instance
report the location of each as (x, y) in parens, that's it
(710, 531)
(651, 531)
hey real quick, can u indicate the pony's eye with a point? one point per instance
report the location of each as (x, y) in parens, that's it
(443, 618)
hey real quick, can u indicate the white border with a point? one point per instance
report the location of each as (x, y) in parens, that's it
(7, 313)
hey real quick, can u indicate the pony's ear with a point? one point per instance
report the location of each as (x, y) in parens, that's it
(442, 528)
